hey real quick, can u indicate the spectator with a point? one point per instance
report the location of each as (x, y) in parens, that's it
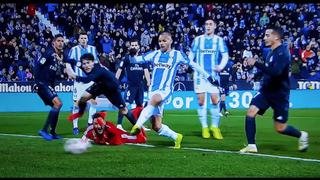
(264, 20)
(29, 75)
(308, 56)
(247, 53)
(295, 67)
(106, 43)
(21, 74)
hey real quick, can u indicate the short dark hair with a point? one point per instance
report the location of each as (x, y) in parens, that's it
(57, 36)
(207, 19)
(210, 18)
(134, 40)
(165, 33)
(101, 114)
(96, 115)
(82, 33)
(277, 30)
(87, 56)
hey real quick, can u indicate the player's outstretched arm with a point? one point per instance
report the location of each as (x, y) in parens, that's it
(197, 67)
(70, 71)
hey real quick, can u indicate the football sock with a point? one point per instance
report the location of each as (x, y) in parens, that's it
(167, 132)
(215, 117)
(82, 106)
(250, 127)
(75, 121)
(291, 131)
(46, 124)
(130, 117)
(202, 113)
(120, 118)
(223, 106)
(145, 115)
(53, 116)
(92, 111)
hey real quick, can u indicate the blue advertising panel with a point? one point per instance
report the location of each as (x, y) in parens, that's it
(181, 100)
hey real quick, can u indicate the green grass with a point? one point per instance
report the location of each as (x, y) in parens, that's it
(35, 157)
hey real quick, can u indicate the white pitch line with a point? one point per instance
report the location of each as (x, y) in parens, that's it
(237, 116)
(255, 154)
(195, 149)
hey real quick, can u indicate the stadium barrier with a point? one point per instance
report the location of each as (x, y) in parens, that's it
(181, 100)
(67, 86)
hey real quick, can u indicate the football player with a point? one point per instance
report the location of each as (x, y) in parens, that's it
(106, 133)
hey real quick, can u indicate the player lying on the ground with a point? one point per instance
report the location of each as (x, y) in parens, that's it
(105, 132)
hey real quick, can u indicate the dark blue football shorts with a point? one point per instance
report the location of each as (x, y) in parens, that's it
(114, 95)
(134, 93)
(279, 104)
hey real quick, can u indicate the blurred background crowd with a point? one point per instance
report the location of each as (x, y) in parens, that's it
(23, 37)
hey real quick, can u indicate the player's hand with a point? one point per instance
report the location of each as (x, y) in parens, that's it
(251, 61)
(213, 81)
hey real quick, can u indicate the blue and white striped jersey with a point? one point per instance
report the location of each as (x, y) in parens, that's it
(76, 52)
(165, 66)
(207, 51)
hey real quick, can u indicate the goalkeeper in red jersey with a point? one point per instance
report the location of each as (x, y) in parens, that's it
(105, 132)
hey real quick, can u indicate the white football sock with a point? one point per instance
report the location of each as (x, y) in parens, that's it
(145, 115)
(75, 109)
(202, 113)
(167, 132)
(215, 117)
(92, 111)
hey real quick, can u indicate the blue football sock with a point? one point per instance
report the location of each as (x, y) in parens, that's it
(130, 117)
(82, 106)
(250, 129)
(46, 124)
(223, 106)
(120, 118)
(291, 131)
(53, 116)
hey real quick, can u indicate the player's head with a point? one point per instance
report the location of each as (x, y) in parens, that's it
(58, 41)
(134, 47)
(87, 62)
(273, 34)
(165, 41)
(83, 38)
(209, 25)
(102, 114)
(98, 122)
(98, 125)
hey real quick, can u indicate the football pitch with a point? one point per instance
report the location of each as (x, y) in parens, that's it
(24, 154)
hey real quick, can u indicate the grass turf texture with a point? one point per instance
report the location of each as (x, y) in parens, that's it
(35, 157)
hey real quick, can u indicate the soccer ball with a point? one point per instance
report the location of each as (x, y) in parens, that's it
(76, 146)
